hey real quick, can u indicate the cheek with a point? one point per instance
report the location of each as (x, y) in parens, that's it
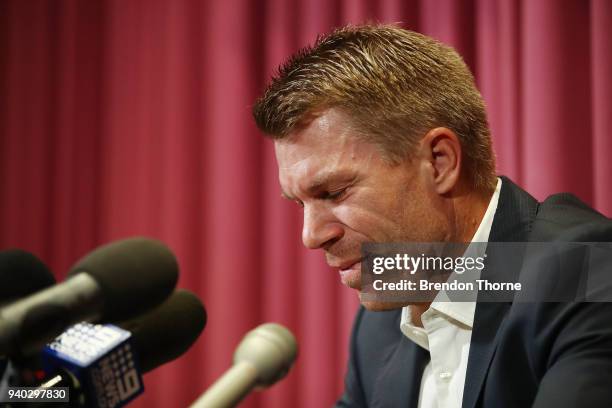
(374, 222)
(388, 215)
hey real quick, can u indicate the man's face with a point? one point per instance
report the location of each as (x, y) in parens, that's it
(351, 195)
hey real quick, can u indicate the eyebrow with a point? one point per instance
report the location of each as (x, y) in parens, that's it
(321, 181)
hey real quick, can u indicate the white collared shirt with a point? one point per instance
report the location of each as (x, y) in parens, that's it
(446, 334)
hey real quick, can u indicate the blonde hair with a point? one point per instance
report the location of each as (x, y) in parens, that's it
(394, 84)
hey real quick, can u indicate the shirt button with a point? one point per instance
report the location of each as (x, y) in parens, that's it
(445, 375)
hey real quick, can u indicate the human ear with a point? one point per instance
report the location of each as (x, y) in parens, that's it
(441, 148)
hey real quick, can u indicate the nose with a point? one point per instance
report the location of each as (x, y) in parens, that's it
(320, 227)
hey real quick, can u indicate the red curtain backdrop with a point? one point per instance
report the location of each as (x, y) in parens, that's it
(123, 117)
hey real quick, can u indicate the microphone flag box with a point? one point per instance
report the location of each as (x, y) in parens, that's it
(101, 359)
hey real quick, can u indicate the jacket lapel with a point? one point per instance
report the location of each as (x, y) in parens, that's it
(512, 222)
(399, 385)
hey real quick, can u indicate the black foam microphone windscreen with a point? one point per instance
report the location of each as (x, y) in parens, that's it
(131, 267)
(167, 331)
(22, 273)
(113, 283)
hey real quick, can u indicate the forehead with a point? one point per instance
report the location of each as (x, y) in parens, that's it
(326, 144)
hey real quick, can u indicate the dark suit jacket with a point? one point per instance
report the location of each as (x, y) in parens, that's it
(521, 354)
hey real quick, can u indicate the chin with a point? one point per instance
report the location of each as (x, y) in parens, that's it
(380, 306)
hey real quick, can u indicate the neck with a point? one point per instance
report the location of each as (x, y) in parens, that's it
(466, 213)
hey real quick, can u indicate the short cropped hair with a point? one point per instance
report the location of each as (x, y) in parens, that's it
(393, 84)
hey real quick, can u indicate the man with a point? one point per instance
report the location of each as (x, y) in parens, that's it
(381, 136)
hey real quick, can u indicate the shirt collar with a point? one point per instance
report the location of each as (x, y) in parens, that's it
(461, 312)
(484, 229)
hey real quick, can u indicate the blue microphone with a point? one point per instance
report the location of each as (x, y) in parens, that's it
(100, 363)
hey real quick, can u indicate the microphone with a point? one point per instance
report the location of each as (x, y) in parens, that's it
(263, 357)
(102, 364)
(22, 273)
(168, 331)
(114, 282)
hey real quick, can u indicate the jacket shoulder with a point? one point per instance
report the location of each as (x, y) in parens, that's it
(565, 217)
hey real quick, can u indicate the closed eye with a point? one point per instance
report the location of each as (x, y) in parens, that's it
(332, 195)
